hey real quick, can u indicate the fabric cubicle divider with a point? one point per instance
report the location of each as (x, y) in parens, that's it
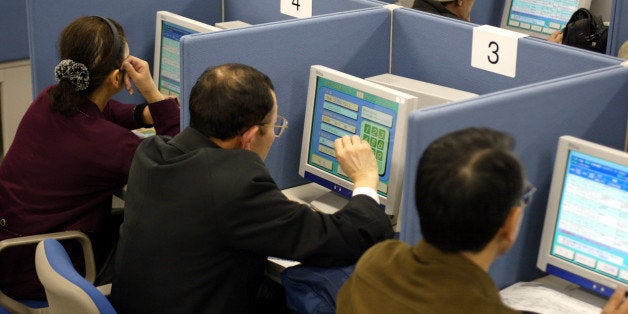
(356, 42)
(618, 32)
(592, 106)
(265, 11)
(47, 18)
(13, 30)
(438, 50)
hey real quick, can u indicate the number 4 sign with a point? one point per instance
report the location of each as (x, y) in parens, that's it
(495, 49)
(296, 8)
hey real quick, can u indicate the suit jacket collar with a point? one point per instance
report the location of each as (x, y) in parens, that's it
(191, 139)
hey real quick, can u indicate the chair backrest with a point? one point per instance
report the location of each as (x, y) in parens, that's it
(10, 305)
(66, 290)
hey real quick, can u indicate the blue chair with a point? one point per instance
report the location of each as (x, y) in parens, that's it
(10, 305)
(67, 291)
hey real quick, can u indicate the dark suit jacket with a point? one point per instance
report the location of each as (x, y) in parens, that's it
(201, 220)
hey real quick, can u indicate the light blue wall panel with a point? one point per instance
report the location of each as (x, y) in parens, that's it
(47, 18)
(618, 32)
(13, 29)
(265, 11)
(438, 50)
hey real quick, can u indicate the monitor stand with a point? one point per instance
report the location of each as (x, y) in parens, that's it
(329, 203)
(319, 198)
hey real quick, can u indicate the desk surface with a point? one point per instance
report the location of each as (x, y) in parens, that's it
(551, 294)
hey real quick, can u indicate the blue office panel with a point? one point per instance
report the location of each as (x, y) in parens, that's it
(618, 32)
(47, 18)
(592, 106)
(356, 42)
(438, 50)
(265, 11)
(13, 29)
(487, 12)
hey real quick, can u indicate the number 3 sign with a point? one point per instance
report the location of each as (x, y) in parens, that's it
(296, 8)
(495, 50)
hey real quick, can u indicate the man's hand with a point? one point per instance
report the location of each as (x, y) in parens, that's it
(556, 37)
(357, 160)
(617, 303)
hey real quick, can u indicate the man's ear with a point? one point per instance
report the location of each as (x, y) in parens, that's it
(247, 137)
(510, 229)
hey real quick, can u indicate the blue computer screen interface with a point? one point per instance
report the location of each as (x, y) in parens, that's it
(343, 110)
(592, 222)
(169, 59)
(540, 17)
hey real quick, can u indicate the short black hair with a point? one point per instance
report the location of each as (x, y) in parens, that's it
(467, 183)
(228, 99)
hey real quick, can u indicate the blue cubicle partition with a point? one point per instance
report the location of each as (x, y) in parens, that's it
(47, 18)
(138, 20)
(357, 42)
(14, 31)
(438, 50)
(618, 32)
(592, 106)
(545, 72)
(265, 11)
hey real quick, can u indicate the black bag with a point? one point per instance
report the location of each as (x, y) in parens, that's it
(584, 30)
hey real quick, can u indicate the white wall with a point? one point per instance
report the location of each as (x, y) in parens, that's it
(603, 8)
(15, 97)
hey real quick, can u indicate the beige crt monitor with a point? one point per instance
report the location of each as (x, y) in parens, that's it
(341, 104)
(169, 28)
(585, 233)
(428, 94)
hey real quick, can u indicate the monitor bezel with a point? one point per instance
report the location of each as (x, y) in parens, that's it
(408, 102)
(166, 16)
(506, 13)
(545, 261)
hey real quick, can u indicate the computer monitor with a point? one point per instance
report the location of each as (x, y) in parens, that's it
(539, 18)
(169, 29)
(340, 104)
(585, 234)
(429, 94)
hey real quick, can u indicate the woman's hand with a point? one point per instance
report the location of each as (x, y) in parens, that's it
(136, 71)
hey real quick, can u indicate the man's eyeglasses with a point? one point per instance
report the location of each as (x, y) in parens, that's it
(528, 192)
(279, 126)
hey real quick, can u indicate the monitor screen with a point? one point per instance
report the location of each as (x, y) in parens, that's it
(585, 234)
(539, 18)
(169, 29)
(339, 104)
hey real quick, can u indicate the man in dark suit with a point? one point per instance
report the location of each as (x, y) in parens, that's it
(203, 213)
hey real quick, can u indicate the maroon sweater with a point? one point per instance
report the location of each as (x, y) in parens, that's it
(60, 173)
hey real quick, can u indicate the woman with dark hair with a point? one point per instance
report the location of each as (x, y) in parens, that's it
(74, 146)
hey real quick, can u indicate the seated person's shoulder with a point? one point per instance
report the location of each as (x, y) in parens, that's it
(382, 252)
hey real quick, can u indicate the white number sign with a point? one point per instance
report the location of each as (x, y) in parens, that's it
(296, 8)
(495, 50)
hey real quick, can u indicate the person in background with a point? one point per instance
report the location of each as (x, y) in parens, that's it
(457, 9)
(470, 195)
(73, 149)
(203, 213)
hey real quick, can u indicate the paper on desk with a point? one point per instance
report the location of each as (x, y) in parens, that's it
(283, 262)
(534, 297)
